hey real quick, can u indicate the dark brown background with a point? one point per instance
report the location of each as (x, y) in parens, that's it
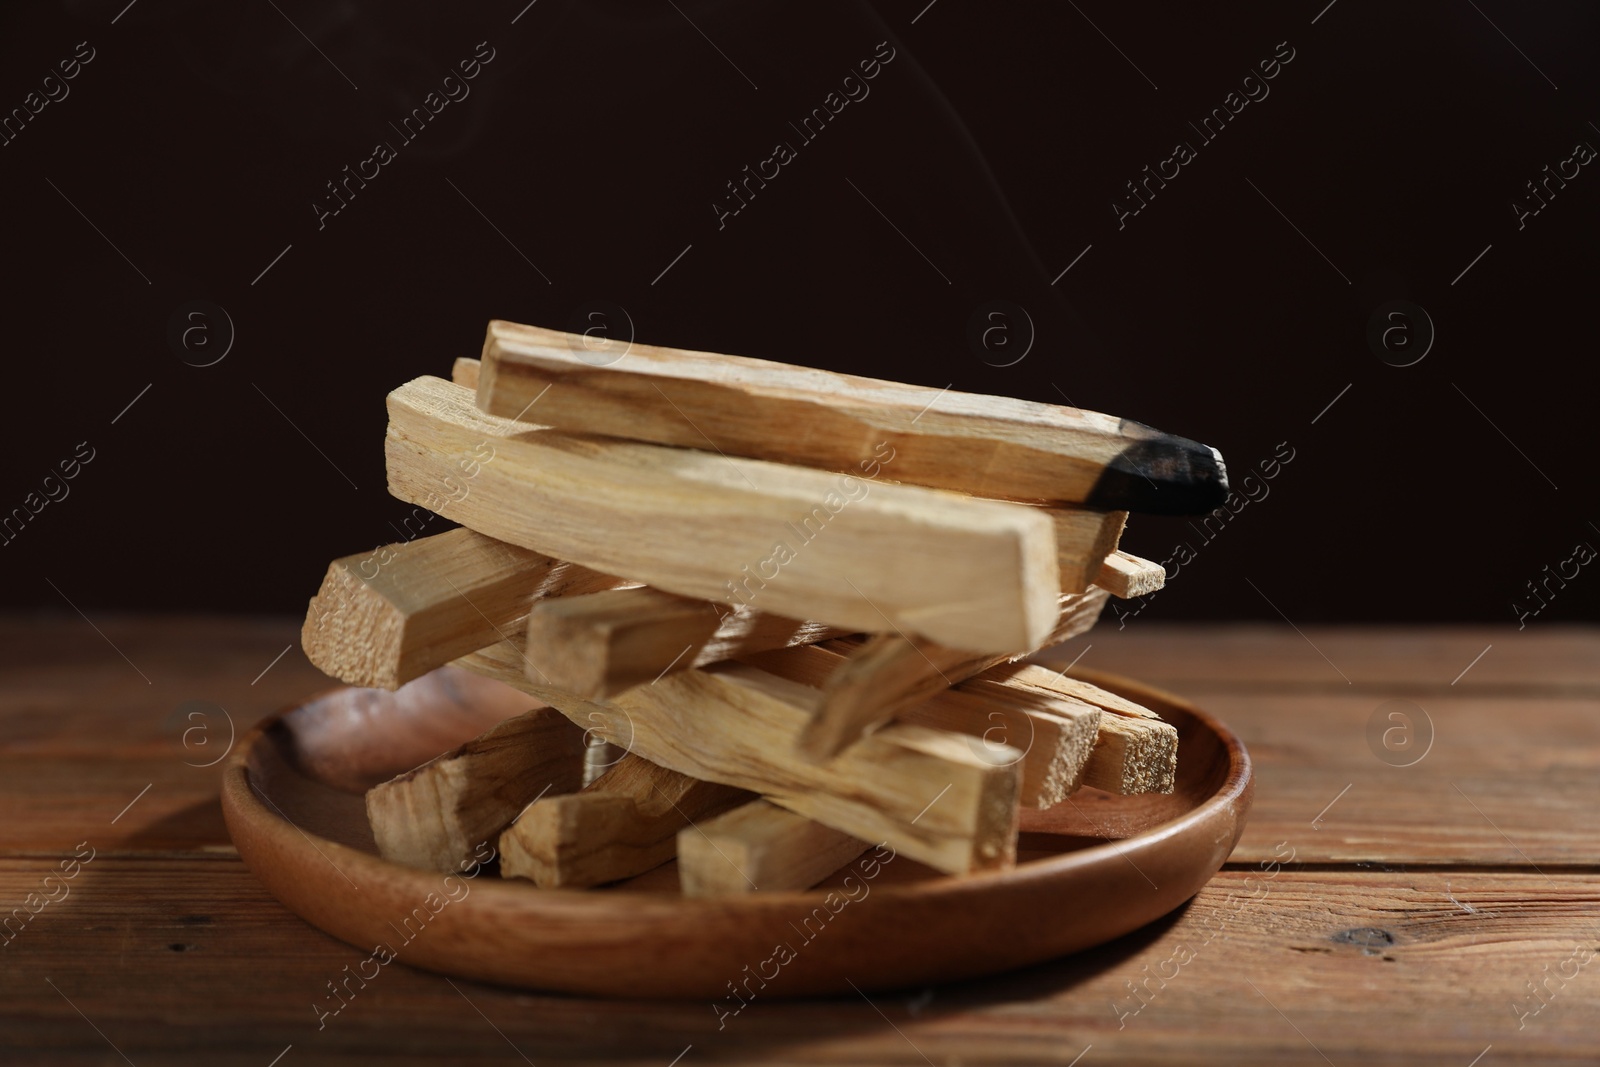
(596, 142)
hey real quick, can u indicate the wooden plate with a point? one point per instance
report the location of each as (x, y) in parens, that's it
(1089, 870)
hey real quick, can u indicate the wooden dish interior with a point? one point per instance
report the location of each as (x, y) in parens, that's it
(313, 764)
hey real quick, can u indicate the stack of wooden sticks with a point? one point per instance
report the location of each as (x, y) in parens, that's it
(766, 616)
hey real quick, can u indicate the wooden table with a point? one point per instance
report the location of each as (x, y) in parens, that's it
(1417, 909)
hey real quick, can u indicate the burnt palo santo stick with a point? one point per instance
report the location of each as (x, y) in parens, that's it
(968, 572)
(984, 445)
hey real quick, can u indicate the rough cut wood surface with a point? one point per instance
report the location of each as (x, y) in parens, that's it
(1404, 928)
(978, 574)
(1135, 752)
(1127, 575)
(392, 614)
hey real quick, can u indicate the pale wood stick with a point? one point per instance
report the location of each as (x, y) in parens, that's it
(623, 823)
(879, 678)
(603, 643)
(436, 815)
(1135, 752)
(984, 445)
(760, 846)
(923, 791)
(1133, 756)
(1083, 541)
(1126, 575)
(978, 574)
(1056, 734)
(393, 614)
(464, 372)
(892, 671)
(1078, 689)
(1076, 613)
(1001, 713)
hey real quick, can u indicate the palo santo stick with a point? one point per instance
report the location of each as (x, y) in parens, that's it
(1057, 734)
(923, 791)
(892, 671)
(984, 445)
(598, 645)
(464, 372)
(1001, 714)
(978, 574)
(1125, 575)
(436, 815)
(884, 675)
(1083, 541)
(1136, 752)
(385, 617)
(1133, 756)
(1078, 689)
(760, 846)
(624, 823)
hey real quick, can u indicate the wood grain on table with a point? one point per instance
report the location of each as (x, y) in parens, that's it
(1422, 913)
